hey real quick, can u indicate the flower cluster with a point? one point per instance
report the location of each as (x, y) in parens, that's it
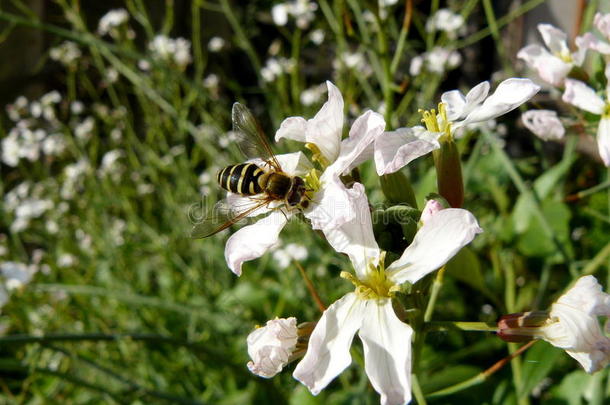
(559, 67)
(340, 210)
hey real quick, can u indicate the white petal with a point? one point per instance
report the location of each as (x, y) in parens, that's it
(437, 241)
(602, 23)
(603, 140)
(355, 238)
(590, 41)
(544, 124)
(363, 133)
(331, 206)
(476, 95)
(294, 164)
(252, 241)
(328, 349)
(582, 96)
(292, 128)
(396, 149)
(270, 346)
(455, 102)
(510, 94)
(387, 352)
(555, 39)
(326, 128)
(550, 68)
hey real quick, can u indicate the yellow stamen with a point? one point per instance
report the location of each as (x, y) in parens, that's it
(437, 122)
(317, 155)
(376, 285)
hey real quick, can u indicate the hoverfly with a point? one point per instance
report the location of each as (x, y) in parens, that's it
(263, 185)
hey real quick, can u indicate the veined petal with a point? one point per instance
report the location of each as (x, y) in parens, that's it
(355, 238)
(582, 96)
(326, 128)
(476, 95)
(509, 94)
(252, 241)
(363, 133)
(549, 67)
(396, 149)
(437, 241)
(555, 39)
(603, 140)
(294, 164)
(387, 352)
(331, 206)
(328, 349)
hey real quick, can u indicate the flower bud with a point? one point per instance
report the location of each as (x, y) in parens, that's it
(271, 346)
(544, 123)
(521, 326)
(432, 207)
(397, 189)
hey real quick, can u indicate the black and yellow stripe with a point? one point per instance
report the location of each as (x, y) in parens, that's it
(241, 179)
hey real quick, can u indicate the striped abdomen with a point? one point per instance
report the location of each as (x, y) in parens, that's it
(241, 179)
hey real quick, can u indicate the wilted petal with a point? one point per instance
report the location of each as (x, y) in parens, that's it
(590, 41)
(252, 241)
(510, 94)
(555, 39)
(550, 68)
(331, 206)
(270, 347)
(329, 345)
(363, 133)
(396, 149)
(437, 241)
(582, 96)
(544, 124)
(387, 352)
(355, 238)
(603, 140)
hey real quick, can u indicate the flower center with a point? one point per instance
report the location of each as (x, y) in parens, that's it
(606, 112)
(376, 285)
(317, 155)
(437, 121)
(565, 56)
(312, 182)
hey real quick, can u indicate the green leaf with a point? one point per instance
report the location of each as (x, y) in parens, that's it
(465, 267)
(534, 241)
(447, 377)
(538, 363)
(572, 388)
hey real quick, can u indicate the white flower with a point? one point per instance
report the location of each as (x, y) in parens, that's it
(11, 149)
(211, 81)
(590, 41)
(274, 67)
(84, 129)
(279, 13)
(302, 10)
(437, 60)
(317, 36)
(368, 310)
(176, 50)
(66, 260)
(574, 327)
(330, 204)
(445, 20)
(584, 97)
(290, 252)
(111, 20)
(16, 275)
(396, 149)
(67, 53)
(544, 124)
(270, 347)
(216, 44)
(312, 95)
(554, 62)
(109, 160)
(416, 65)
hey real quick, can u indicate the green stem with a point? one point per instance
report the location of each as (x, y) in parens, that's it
(78, 337)
(597, 261)
(515, 365)
(445, 326)
(437, 284)
(416, 389)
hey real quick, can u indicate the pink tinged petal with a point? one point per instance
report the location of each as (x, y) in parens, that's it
(326, 128)
(550, 68)
(387, 352)
(582, 96)
(294, 164)
(544, 123)
(602, 23)
(331, 206)
(355, 238)
(329, 345)
(437, 241)
(252, 241)
(292, 128)
(603, 140)
(555, 39)
(355, 149)
(431, 208)
(510, 94)
(396, 149)
(590, 41)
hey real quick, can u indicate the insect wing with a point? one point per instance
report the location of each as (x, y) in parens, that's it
(251, 140)
(221, 217)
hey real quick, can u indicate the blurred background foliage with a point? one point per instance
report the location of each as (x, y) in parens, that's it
(122, 134)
